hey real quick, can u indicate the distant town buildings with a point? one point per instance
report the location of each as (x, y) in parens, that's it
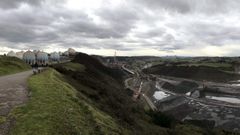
(29, 57)
(55, 56)
(20, 54)
(12, 54)
(237, 68)
(41, 57)
(113, 62)
(71, 51)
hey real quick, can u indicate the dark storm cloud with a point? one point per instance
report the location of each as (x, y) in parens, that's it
(182, 6)
(159, 32)
(86, 28)
(117, 24)
(168, 43)
(24, 34)
(192, 6)
(215, 34)
(19, 33)
(165, 25)
(9, 4)
(120, 20)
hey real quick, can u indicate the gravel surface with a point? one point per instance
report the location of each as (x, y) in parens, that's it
(13, 92)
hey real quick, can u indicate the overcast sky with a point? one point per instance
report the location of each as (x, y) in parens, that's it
(132, 27)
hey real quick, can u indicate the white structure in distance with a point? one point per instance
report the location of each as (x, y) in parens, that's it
(42, 58)
(12, 54)
(55, 56)
(20, 54)
(71, 51)
(29, 57)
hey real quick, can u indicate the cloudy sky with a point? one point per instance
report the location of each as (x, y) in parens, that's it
(132, 27)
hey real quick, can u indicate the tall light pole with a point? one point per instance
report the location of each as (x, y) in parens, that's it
(115, 57)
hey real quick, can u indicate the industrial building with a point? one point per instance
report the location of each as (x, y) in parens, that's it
(29, 57)
(12, 54)
(20, 54)
(42, 58)
(55, 56)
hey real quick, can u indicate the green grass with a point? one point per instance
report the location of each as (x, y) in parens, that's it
(73, 66)
(11, 65)
(54, 109)
(2, 119)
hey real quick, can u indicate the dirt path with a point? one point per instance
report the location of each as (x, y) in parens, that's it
(13, 92)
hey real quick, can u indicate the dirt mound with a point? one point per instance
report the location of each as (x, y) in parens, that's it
(88, 61)
(94, 66)
(183, 87)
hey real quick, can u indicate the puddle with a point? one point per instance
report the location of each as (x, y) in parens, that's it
(235, 84)
(188, 94)
(225, 99)
(159, 95)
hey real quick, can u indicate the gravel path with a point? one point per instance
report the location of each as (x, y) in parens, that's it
(13, 92)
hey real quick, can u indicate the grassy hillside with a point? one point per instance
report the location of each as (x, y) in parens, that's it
(80, 99)
(11, 65)
(55, 109)
(105, 92)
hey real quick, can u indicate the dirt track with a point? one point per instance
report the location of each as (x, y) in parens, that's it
(13, 92)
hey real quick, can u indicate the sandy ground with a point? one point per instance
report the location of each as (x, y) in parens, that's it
(13, 92)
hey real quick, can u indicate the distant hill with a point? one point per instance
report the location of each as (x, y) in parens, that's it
(95, 66)
(195, 72)
(10, 65)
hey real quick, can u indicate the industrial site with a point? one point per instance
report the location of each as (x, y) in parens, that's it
(204, 92)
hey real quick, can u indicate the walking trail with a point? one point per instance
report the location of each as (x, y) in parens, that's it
(13, 92)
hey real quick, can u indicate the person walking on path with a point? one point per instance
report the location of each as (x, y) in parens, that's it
(35, 68)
